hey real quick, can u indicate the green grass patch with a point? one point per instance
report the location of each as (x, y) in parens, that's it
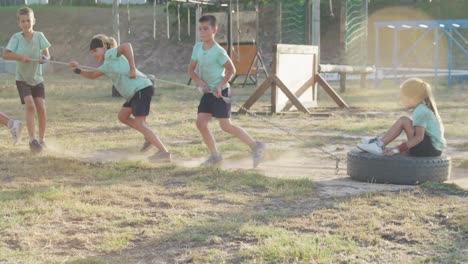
(446, 188)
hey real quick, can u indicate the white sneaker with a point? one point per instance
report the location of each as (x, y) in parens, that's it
(15, 131)
(373, 148)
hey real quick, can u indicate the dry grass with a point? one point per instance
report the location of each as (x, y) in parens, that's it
(94, 199)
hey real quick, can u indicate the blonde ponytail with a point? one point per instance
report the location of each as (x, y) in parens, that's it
(108, 42)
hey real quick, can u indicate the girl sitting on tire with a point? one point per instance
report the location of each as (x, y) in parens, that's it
(425, 131)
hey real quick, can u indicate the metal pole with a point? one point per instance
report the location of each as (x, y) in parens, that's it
(395, 53)
(229, 28)
(436, 57)
(316, 23)
(376, 54)
(450, 57)
(116, 27)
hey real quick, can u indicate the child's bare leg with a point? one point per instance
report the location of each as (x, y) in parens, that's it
(202, 125)
(4, 119)
(227, 126)
(402, 124)
(139, 124)
(30, 110)
(41, 115)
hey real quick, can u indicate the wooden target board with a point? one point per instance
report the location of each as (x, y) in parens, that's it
(295, 65)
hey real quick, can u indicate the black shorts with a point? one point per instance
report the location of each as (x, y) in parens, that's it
(425, 148)
(215, 106)
(25, 89)
(141, 101)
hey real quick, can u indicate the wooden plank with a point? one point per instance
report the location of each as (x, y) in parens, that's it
(290, 95)
(255, 96)
(274, 69)
(299, 92)
(346, 69)
(326, 86)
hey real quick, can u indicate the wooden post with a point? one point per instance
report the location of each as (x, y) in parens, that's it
(342, 82)
(279, 12)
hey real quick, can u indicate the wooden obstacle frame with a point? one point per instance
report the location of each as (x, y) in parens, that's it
(247, 60)
(293, 80)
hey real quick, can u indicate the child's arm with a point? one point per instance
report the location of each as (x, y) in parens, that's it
(230, 70)
(8, 55)
(195, 77)
(87, 74)
(127, 50)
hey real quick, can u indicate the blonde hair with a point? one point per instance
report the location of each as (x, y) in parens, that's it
(419, 90)
(108, 42)
(24, 11)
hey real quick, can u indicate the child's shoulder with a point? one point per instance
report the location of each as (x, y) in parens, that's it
(421, 109)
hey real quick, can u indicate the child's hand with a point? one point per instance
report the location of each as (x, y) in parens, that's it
(43, 60)
(390, 151)
(74, 65)
(203, 89)
(132, 74)
(217, 92)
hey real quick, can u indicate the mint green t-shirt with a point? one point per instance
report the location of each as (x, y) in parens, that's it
(29, 72)
(210, 64)
(424, 117)
(117, 69)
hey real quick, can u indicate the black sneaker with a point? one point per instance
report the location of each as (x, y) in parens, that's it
(213, 159)
(35, 146)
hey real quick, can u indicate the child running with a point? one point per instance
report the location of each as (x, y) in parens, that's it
(215, 69)
(30, 49)
(15, 127)
(133, 85)
(425, 131)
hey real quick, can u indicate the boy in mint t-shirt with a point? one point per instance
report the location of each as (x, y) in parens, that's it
(215, 69)
(30, 49)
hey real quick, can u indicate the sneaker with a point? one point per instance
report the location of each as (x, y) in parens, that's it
(367, 140)
(15, 131)
(213, 159)
(146, 146)
(373, 148)
(257, 153)
(35, 146)
(43, 144)
(161, 156)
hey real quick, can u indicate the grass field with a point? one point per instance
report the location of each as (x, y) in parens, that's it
(93, 198)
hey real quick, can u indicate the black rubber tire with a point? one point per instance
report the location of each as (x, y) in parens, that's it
(400, 169)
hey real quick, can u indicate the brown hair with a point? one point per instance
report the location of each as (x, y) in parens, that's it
(108, 42)
(418, 89)
(24, 11)
(209, 18)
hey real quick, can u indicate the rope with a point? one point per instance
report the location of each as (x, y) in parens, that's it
(128, 15)
(178, 20)
(229, 101)
(167, 20)
(154, 20)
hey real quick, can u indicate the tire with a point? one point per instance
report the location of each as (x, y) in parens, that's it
(408, 170)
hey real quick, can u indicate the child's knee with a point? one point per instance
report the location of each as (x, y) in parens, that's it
(226, 127)
(201, 124)
(30, 108)
(405, 120)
